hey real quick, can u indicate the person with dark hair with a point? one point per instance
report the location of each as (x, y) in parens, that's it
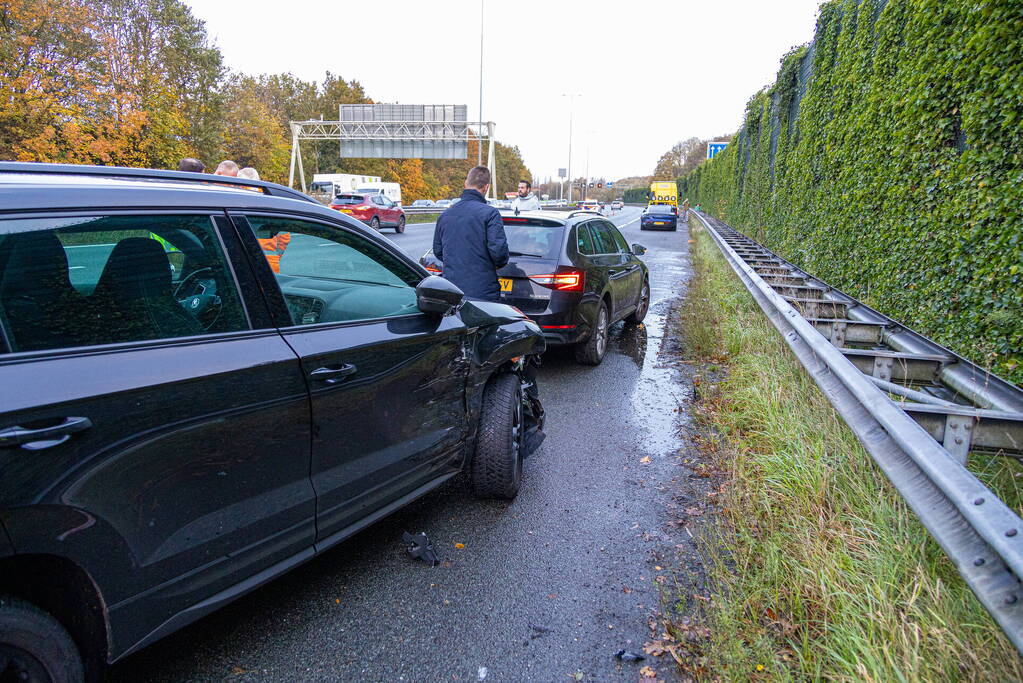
(470, 240)
(526, 201)
(191, 165)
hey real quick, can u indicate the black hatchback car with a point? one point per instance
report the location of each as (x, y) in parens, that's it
(206, 383)
(574, 274)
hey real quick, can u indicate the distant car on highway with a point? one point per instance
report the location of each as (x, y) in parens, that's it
(658, 217)
(444, 203)
(375, 210)
(574, 274)
(617, 205)
(423, 203)
(588, 205)
(171, 440)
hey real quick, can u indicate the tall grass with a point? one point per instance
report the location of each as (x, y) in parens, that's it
(820, 570)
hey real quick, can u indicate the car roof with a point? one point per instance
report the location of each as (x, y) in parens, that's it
(563, 217)
(26, 187)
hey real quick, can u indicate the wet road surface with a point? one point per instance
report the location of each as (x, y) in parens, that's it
(545, 587)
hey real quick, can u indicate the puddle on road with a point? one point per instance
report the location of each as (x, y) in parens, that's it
(657, 396)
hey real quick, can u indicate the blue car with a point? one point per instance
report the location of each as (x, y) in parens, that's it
(659, 217)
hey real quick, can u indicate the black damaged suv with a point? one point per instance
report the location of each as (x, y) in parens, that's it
(206, 381)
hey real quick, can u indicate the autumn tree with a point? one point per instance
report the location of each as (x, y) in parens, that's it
(680, 159)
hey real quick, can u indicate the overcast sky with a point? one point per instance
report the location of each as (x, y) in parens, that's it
(649, 72)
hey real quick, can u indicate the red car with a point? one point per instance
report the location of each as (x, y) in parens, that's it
(375, 210)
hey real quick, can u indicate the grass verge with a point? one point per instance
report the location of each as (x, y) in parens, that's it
(421, 217)
(820, 571)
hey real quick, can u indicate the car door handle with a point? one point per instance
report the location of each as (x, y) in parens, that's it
(50, 436)
(332, 375)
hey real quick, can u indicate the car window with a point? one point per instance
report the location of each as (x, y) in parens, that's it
(584, 240)
(85, 281)
(328, 274)
(528, 239)
(623, 246)
(603, 242)
(348, 199)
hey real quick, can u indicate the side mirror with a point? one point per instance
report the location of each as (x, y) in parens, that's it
(638, 249)
(437, 295)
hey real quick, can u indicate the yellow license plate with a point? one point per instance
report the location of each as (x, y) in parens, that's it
(348, 211)
(659, 223)
(506, 283)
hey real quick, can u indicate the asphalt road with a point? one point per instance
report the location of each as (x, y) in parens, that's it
(546, 587)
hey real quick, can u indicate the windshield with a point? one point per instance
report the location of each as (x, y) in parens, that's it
(659, 209)
(540, 241)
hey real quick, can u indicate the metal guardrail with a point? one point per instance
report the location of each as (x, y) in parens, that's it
(860, 359)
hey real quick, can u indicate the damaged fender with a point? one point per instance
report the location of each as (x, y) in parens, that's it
(504, 339)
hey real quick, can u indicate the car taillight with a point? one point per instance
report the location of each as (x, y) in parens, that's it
(565, 280)
(434, 269)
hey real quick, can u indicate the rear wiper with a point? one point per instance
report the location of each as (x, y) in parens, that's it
(522, 253)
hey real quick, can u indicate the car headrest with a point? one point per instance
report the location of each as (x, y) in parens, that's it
(34, 263)
(137, 269)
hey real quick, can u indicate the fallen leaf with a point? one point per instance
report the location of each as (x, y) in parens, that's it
(237, 670)
(459, 545)
(645, 459)
(655, 648)
(658, 567)
(626, 590)
(647, 672)
(578, 675)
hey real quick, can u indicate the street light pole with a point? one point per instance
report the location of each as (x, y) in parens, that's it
(479, 141)
(571, 101)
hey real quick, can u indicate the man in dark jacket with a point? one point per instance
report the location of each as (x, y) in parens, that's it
(470, 240)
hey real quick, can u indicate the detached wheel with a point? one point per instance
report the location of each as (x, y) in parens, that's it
(374, 222)
(34, 646)
(642, 306)
(496, 470)
(591, 351)
(400, 227)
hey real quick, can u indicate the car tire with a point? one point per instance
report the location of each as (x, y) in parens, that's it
(400, 227)
(591, 351)
(496, 470)
(642, 227)
(642, 306)
(34, 646)
(374, 222)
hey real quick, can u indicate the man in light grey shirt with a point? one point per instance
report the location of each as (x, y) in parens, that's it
(526, 201)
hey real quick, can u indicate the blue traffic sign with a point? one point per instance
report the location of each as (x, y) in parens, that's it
(715, 148)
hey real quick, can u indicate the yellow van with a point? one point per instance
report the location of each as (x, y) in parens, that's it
(664, 192)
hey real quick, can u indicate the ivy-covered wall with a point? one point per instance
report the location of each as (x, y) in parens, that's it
(887, 159)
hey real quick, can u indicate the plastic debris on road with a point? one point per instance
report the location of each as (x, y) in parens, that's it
(420, 547)
(628, 656)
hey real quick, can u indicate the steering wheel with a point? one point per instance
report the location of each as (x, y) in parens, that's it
(195, 298)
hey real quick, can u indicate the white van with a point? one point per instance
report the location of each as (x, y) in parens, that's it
(339, 183)
(390, 190)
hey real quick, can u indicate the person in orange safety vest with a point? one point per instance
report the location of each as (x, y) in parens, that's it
(273, 249)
